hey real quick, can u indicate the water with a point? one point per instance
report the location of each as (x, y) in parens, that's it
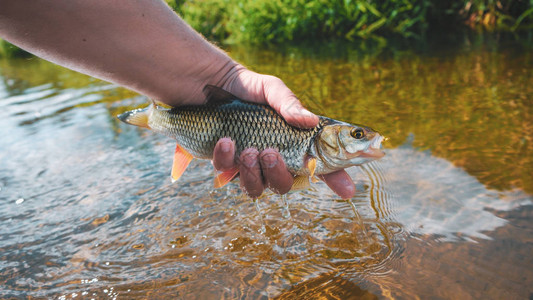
(87, 209)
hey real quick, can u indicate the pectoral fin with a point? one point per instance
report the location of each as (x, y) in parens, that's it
(182, 158)
(225, 177)
(300, 182)
(311, 165)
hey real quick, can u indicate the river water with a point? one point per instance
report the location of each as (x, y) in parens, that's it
(87, 208)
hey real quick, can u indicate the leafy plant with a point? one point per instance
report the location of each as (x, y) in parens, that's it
(278, 21)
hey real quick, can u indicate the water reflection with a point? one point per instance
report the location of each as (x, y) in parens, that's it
(100, 217)
(434, 197)
(473, 107)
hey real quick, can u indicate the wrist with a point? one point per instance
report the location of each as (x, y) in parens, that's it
(193, 68)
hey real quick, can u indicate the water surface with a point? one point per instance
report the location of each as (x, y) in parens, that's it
(87, 208)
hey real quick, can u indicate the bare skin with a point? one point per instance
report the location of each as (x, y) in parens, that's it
(144, 46)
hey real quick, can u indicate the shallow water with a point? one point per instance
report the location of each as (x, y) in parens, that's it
(87, 208)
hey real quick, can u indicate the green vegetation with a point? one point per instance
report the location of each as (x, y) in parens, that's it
(460, 104)
(279, 21)
(9, 50)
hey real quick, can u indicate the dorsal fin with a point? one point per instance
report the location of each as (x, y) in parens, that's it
(214, 93)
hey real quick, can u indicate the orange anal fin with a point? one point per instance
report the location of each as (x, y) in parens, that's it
(225, 177)
(182, 158)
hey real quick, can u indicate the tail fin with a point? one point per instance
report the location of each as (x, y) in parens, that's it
(138, 117)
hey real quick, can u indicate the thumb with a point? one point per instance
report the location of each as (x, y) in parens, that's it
(266, 89)
(283, 100)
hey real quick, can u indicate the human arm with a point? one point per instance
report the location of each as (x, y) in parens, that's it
(144, 46)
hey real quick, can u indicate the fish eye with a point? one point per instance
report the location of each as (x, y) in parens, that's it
(358, 133)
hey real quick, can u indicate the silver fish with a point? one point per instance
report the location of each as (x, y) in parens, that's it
(330, 146)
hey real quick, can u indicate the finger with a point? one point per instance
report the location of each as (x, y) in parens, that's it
(283, 100)
(271, 90)
(341, 183)
(250, 173)
(223, 154)
(275, 173)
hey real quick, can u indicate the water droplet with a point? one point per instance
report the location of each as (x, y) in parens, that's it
(19, 201)
(286, 213)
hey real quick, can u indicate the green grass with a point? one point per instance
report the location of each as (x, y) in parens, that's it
(280, 21)
(261, 21)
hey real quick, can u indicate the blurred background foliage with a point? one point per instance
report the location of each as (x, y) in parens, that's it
(281, 21)
(277, 21)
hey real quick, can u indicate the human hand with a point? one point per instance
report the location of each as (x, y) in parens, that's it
(159, 56)
(266, 169)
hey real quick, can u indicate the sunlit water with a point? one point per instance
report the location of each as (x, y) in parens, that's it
(87, 208)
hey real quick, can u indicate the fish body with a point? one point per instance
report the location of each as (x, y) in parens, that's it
(331, 145)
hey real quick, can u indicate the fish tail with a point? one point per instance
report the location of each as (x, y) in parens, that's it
(138, 117)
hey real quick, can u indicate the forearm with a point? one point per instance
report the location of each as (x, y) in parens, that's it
(140, 44)
(144, 46)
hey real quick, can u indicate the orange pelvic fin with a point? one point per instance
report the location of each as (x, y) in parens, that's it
(301, 182)
(225, 177)
(182, 158)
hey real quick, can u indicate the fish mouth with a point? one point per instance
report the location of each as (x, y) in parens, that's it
(374, 149)
(372, 153)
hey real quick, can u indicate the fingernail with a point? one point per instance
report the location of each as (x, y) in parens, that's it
(305, 113)
(346, 182)
(349, 187)
(269, 160)
(225, 147)
(299, 110)
(250, 160)
(302, 117)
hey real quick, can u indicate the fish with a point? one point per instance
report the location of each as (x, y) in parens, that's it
(330, 146)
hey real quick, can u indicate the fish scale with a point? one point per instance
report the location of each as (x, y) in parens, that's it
(198, 128)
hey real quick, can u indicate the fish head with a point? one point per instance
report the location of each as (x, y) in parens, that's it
(341, 145)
